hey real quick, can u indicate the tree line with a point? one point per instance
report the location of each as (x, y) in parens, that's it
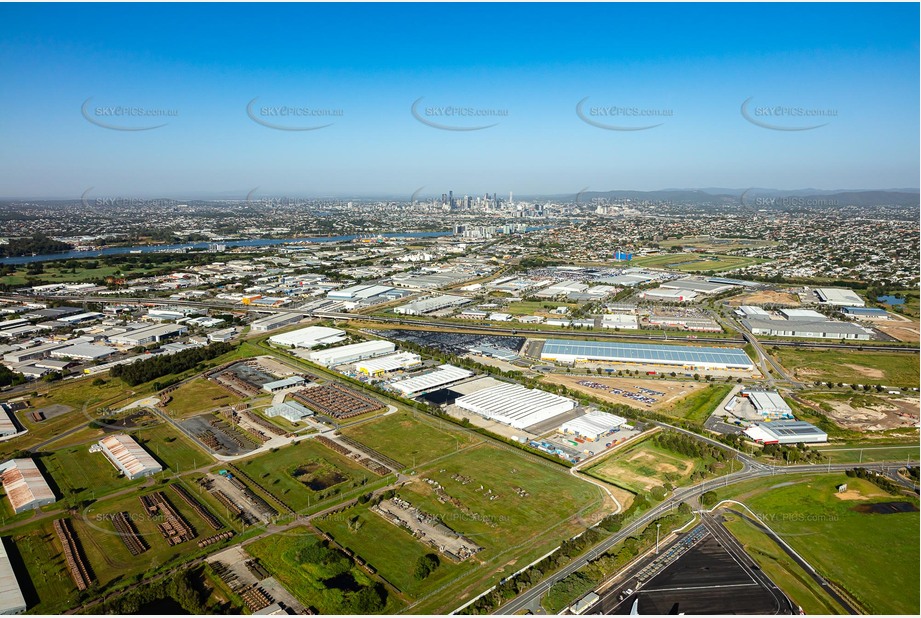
(149, 369)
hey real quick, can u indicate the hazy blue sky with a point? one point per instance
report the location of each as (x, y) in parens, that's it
(535, 62)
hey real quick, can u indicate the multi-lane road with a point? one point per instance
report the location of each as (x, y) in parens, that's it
(751, 470)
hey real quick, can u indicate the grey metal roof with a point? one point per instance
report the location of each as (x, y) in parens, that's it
(641, 352)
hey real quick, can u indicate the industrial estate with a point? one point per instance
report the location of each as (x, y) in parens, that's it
(459, 399)
(325, 426)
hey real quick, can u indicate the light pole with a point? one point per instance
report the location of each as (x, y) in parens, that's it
(658, 525)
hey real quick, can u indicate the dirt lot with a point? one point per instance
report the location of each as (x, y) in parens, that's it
(900, 328)
(883, 414)
(674, 390)
(766, 297)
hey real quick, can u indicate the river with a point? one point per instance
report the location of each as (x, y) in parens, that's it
(251, 242)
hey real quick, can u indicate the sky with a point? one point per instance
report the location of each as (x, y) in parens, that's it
(396, 99)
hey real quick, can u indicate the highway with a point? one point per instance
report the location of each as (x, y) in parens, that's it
(751, 471)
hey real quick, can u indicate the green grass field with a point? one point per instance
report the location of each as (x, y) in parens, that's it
(871, 452)
(108, 555)
(395, 559)
(74, 394)
(278, 554)
(529, 307)
(695, 262)
(275, 472)
(80, 474)
(172, 448)
(698, 405)
(512, 529)
(643, 465)
(199, 395)
(783, 571)
(850, 367)
(873, 557)
(408, 437)
(49, 588)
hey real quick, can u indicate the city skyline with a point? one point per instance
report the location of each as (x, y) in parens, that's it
(539, 100)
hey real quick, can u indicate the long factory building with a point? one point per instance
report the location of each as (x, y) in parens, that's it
(352, 353)
(688, 357)
(445, 375)
(515, 405)
(24, 485)
(128, 456)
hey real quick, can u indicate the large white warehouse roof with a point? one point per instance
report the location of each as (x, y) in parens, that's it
(11, 599)
(593, 424)
(444, 375)
(515, 405)
(351, 353)
(840, 297)
(309, 337)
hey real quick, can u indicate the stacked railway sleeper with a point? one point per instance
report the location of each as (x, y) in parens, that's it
(198, 507)
(368, 463)
(393, 464)
(128, 533)
(337, 401)
(258, 420)
(253, 595)
(217, 538)
(174, 527)
(238, 472)
(76, 563)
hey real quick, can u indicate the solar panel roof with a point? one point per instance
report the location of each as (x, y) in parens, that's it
(646, 352)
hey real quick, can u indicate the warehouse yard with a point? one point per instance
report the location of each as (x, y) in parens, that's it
(674, 390)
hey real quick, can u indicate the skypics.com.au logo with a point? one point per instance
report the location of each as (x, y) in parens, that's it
(291, 117)
(620, 118)
(125, 117)
(455, 117)
(786, 117)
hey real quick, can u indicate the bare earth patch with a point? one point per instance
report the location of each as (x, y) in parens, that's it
(869, 372)
(889, 414)
(850, 494)
(767, 297)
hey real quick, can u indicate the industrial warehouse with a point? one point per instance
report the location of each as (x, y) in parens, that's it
(309, 337)
(688, 357)
(445, 375)
(769, 404)
(812, 329)
(24, 485)
(352, 353)
(786, 432)
(11, 600)
(8, 427)
(128, 456)
(386, 364)
(594, 425)
(515, 405)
